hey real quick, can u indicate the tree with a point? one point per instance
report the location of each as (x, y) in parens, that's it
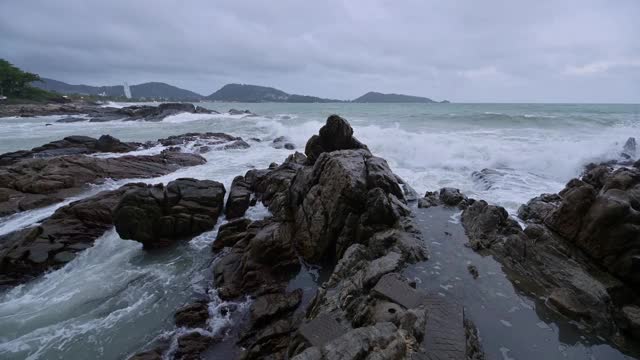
(13, 81)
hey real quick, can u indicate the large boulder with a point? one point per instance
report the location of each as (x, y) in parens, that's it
(340, 207)
(260, 261)
(336, 134)
(239, 198)
(158, 215)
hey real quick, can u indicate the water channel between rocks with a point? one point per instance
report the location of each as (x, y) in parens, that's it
(511, 324)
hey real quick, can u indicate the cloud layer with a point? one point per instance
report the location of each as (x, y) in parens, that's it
(479, 51)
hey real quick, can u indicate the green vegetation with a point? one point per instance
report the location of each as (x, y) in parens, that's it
(15, 84)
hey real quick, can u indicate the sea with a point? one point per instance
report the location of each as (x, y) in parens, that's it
(114, 298)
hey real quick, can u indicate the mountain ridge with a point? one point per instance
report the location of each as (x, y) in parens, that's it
(149, 90)
(233, 92)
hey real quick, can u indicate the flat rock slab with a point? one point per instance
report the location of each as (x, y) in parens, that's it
(444, 337)
(398, 291)
(321, 330)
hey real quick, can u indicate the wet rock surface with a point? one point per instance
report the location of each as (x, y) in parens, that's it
(444, 197)
(33, 183)
(337, 134)
(71, 145)
(339, 207)
(27, 253)
(578, 248)
(158, 215)
(97, 113)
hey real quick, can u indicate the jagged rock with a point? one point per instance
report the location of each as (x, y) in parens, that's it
(410, 193)
(431, 198)
(258, 262)
(603, 221)
(230, 233)
(32, 183)
(193, 315)
(381, 341)
(336, 134)
(451, 196)
(155, 354)
(567, 303)
(577, 198)
(487, 225)
(239, 197)
(71, 145)
(157, 215)
(474, 347)
(341, 206)
(576, 288)
(30, 252)
(538, 208)
(446, 197)
(270, 306)
(191, 345)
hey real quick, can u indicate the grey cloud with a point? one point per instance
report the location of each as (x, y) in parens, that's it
(460, 50)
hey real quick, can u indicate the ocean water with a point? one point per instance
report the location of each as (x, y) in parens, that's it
(115, 298)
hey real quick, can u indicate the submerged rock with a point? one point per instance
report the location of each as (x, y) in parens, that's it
(158, 215)
(282, 142)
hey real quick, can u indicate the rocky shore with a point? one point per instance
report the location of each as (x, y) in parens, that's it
(578, 248)
(84, 111)
(337, 215)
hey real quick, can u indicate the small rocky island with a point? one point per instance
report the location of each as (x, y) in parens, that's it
(337, 215)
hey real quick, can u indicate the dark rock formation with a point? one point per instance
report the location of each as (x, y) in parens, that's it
(336, 134)
(193, 315)
(580, 247)
(145, 112)
(29, 252)
(71, 145)
(342, 208)
(158, 215)
(206, 142)
(446, 197)
(34, 183)
(239, 198)
(97, 113)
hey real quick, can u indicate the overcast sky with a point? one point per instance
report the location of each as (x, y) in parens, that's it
(473, 51)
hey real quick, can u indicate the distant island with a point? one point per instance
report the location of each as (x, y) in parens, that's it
(255, 93)
(157, 91)
(376, 97)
